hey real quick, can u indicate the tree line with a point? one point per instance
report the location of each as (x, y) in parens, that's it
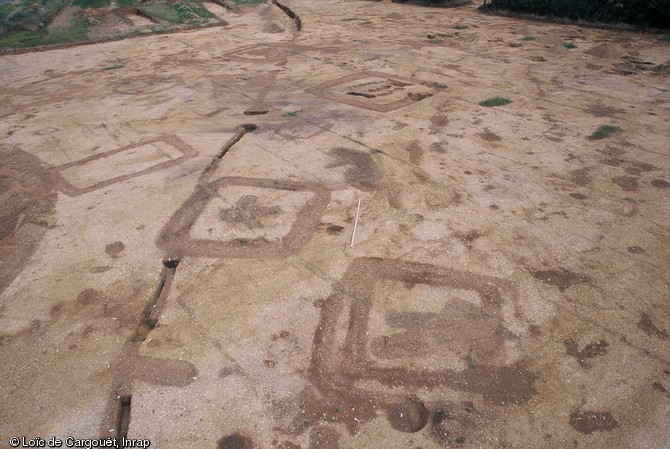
(643, 13)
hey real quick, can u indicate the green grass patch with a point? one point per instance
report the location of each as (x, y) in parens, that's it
(440, 86)
(569, 45)
(495, 101)
(604, 131)
(461, 27)
(76, 33)
(435, 41)
(91, 3)
(126, 2)
(528, 38)
(203, 12)
(22, 39)
(290, 113)
(664, 37)
(113, 67)
(162, 12)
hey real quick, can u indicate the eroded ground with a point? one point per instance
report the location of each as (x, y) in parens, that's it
(171, 272)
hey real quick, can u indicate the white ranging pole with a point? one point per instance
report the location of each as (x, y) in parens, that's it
(353, 234)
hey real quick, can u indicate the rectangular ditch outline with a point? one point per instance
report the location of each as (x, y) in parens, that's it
(347, 363)
(174, 236)
(323, 90)
(187, 153)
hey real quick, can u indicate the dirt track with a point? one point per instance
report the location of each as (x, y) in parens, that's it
(170, 272)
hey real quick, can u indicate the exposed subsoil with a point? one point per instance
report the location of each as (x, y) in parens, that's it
(177, 251)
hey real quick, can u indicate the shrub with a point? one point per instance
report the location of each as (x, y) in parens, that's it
(495, 101)
(604, 131)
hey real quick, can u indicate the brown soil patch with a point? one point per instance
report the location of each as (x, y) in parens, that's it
(235, 441)
(114, 249)
(489, 136)
(560, 278)
(409, 415)
(27, 202)
(63, 19)
(627, 183)
(589, 422)
(363, 173)
(650, 328)
(589, 351)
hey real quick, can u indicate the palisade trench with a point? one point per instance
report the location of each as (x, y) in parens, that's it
(176, 262)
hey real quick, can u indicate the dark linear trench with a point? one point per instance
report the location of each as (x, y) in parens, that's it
(121, 394)
(289, 12)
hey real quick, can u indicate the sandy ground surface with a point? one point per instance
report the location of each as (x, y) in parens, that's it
(167, 273)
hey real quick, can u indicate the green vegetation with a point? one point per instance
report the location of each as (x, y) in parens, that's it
(290, 113)
(22, 39)
(461, 27)
(440, 86)
(5, 9)
(347, 19)
(436, 41)
(113, 67)
(201, 11)
(91, 3)
(24, 23)
(162, 12)
(604, 131)
(495, 101)
(648, 14)
(528, 38)
(76, 33)
(665, 37)
(569, 45)
(29, 15)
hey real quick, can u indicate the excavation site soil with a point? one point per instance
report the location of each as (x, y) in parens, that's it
(301, 229)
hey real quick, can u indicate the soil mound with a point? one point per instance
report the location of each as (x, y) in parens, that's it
(605, 51)
(550, 40)
(476, 37)
(558, 49)
(272, 28)
(268, 13)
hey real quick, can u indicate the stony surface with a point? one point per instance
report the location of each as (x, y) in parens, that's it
(171, 274)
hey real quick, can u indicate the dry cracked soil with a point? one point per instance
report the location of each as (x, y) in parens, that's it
(176, 216)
